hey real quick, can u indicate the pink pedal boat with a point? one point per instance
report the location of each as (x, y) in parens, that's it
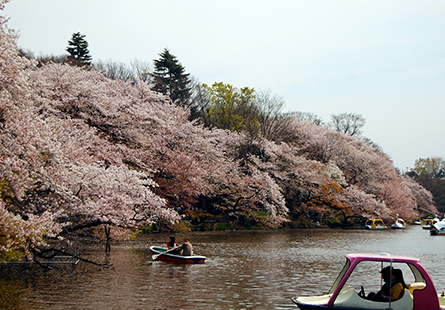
(348, 291)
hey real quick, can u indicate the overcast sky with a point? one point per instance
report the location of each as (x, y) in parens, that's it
(382, 59)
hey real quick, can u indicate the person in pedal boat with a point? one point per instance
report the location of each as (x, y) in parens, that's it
(393, 286)
(398, 286)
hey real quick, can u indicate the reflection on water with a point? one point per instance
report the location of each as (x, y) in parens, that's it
(244, 270)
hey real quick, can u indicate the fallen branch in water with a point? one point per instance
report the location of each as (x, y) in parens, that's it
(51, 253)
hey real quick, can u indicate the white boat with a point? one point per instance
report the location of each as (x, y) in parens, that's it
(399, 224)
(161, 253)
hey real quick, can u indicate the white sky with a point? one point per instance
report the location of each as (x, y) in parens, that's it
(382, 59)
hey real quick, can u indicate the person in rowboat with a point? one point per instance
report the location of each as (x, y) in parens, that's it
(173, 246)
(172, 243)
(186, 249)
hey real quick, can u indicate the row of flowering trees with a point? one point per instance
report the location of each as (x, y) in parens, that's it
(80, 150)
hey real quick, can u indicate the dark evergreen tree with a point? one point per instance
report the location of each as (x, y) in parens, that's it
(78, 50)
(170, 78)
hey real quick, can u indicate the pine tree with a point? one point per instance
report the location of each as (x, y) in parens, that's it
(78, 50)
(170, 78)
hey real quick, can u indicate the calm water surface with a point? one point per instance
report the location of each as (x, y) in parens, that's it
(244, 270)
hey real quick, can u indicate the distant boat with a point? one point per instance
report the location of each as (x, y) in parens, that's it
(428, 223)
(375, 224)
(399, 224)
(416, 222)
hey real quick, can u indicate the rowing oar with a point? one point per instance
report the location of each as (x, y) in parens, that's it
(154, 257)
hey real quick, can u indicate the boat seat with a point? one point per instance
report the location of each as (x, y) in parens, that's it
(351, 299)
(416, 286)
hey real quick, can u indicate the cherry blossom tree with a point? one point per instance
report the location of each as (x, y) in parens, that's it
(423, 198)
(370, 171)
(59, 167)
(17, 231)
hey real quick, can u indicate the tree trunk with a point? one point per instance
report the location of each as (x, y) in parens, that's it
(107, 234)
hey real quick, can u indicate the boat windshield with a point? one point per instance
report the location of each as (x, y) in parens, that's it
(418, 277)
(340, 276)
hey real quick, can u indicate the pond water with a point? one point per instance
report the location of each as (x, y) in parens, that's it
(243, 270)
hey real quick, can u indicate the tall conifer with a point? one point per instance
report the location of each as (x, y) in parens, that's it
(170, 78)
(78, 50)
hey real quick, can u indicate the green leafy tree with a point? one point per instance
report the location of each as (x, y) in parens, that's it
(230, 107)
(170, 78)
(78, 50)
(427, 167)
(429, 172)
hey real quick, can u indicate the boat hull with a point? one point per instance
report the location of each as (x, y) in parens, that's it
(313, 307)
(176, 259)
(323, 307)
(398, 227)
(304, 306)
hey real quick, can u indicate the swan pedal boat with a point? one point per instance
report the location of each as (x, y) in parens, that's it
(177, 259)
(419, 295)
(399, 224)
